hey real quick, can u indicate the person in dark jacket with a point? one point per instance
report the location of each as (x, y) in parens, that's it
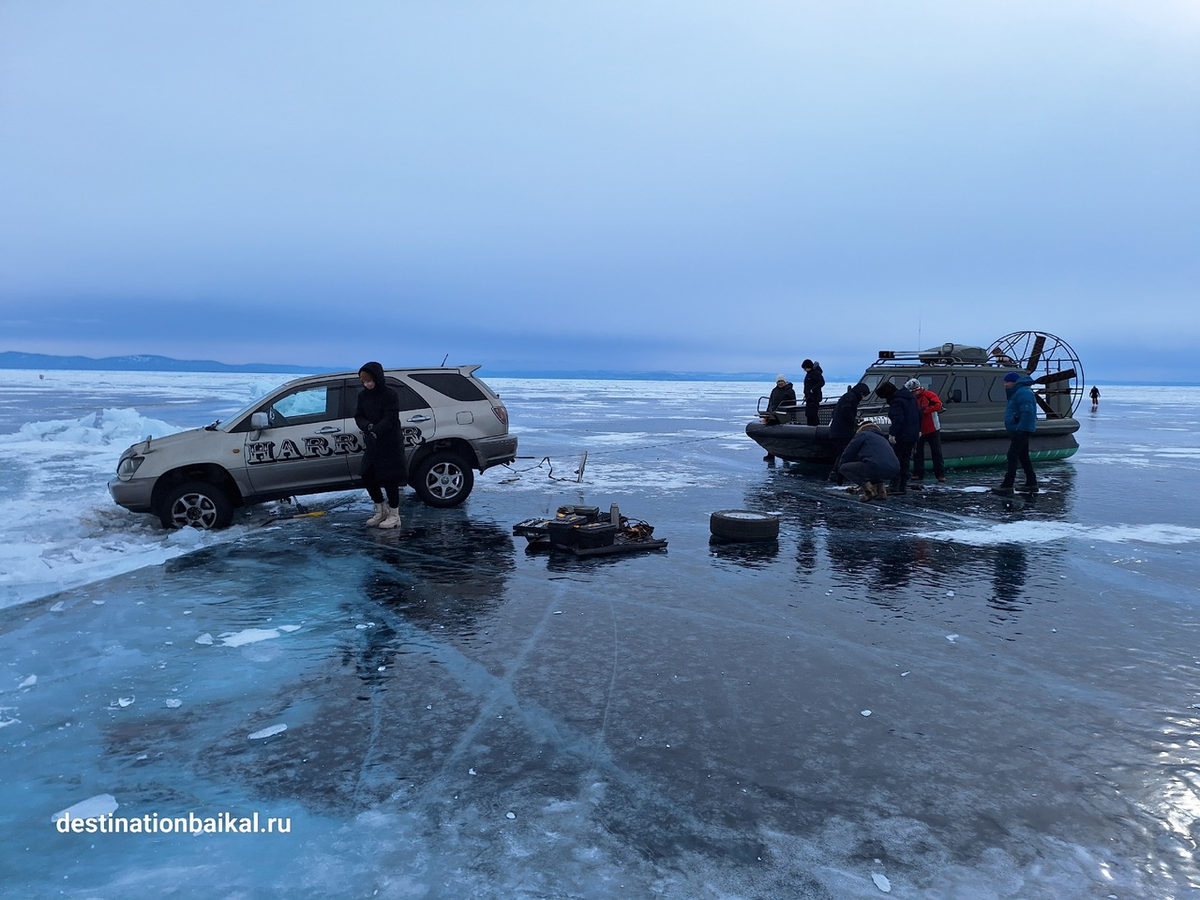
(783, 394)
(868, 461)
(383, 465)
(904, 430)
(844, 422)
(1020, 421)
(814, 380)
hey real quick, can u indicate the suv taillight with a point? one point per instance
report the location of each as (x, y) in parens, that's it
(501, 414)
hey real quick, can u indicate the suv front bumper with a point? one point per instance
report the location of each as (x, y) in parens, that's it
(134, 494)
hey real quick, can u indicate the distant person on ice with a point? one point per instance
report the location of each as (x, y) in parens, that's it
(868, 461)
(814, 380)
(783, 394)
(1020, 421)
(1095, 394)
(383, 465)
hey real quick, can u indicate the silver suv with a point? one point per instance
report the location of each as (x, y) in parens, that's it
(302, 439)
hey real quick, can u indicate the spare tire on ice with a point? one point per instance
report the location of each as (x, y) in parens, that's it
(743, 525)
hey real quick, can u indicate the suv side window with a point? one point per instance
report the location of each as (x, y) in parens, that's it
(409, 399)
(452, 384)
(304, 406)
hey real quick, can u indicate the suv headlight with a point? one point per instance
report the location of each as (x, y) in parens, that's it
(128, 465)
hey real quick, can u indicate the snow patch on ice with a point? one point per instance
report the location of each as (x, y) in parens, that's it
(252, 635)
(269, 731)
(92, 807)
(1035, 532)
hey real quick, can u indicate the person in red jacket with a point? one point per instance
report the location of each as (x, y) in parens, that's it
(930, 404)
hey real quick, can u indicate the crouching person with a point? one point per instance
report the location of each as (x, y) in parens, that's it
(869, 462)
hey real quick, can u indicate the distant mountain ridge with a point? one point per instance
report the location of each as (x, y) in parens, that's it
(144, 363)
(148, 363)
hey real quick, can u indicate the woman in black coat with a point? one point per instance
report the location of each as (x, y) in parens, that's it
(383, 464)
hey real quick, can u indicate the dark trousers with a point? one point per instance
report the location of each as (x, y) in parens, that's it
(904, 451)
(860, 473)
(934, 440)
(375, 490)
(1018, 454)
(810, 411)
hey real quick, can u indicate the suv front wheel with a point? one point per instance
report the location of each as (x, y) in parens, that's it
(198, 504)
(442, 479)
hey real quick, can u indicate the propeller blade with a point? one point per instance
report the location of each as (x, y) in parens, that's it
(1055, 376)
(1046, 407)
(1035, 356)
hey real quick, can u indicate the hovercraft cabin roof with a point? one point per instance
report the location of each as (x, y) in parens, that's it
(946, 354)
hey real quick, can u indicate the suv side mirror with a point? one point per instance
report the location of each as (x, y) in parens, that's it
(258, 421)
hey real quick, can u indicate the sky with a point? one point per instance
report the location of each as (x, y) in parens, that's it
(678, 185)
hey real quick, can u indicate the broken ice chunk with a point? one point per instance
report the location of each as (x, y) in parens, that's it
(952, 638)
(510, 815)
(29, 682)
(205, 639)
(865, 713)
(174, 704)
(881, 882)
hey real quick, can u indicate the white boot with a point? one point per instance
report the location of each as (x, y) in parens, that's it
(381, 512)
(393, 518)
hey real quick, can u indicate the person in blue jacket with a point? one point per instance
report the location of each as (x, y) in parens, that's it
(905, 429)
(868, 461)
(1020, 421)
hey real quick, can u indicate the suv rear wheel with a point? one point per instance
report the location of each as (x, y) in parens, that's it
(198, 504)
(442, 479)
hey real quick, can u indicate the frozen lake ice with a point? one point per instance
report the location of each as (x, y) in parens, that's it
(440, 713)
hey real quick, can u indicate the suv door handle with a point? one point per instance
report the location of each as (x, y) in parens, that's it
(420, 418)
(329, 429)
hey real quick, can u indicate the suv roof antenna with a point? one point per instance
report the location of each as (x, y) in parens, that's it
(444, 358)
